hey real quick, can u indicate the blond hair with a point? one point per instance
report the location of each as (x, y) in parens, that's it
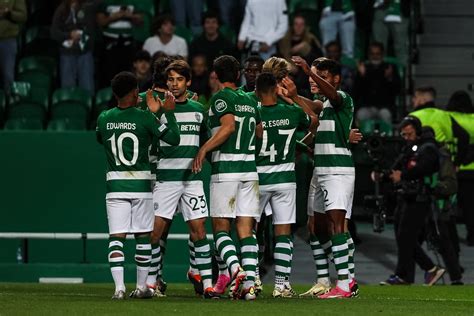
(279, 67)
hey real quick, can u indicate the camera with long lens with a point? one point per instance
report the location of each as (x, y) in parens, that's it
(383, 151)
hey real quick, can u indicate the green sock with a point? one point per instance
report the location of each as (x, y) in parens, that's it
(116, 263)
(340, 251)
(249, 254)
(282, 255)
(142, 259)
(203, 261)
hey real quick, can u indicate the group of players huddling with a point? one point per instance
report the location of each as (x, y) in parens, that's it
(156, 144)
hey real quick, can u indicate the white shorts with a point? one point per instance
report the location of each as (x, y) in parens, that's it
(282, 205)
(331, 192)
(188, 199)
(234, 199)
(130, 215)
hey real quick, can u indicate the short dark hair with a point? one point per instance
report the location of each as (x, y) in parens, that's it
(181, 67)
(265, 82)
(123, 83)
(317, 61)
(159, 71)
(254, 59)
(427, 89)
(160, 20)
(211, 14)
(227, 68)
(460, 101)
(413, 121)
(142, 55)
(332, 66)
(377, 44)
(333, 43)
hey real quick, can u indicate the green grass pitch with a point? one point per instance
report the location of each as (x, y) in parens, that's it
(52, 299)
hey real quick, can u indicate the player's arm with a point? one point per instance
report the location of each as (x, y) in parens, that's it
(312, 108)
(225, 130)
(325, 87)
(170, 132)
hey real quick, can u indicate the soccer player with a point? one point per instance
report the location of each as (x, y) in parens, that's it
(276, 170)
(177, 188)
(126, 133)
(234, 180)
(334, 175)
(252, 68)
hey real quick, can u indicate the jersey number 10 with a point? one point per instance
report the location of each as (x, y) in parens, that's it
(117, 148)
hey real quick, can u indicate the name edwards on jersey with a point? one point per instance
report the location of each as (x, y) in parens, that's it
(121, 125)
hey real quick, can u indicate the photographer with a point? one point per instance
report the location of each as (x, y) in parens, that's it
(417, 161)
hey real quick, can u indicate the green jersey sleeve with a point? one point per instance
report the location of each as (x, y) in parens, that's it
(169, 133)
(97, 129)
(222, 104)
(347, 103)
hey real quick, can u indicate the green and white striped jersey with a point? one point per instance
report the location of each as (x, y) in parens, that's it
(331, 151)
(276, 148)
(234, 160)
(126, 135)
(175, 162)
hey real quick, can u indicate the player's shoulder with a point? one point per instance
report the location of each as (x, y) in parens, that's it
(222, 98)
(196, 106)
(345, 96)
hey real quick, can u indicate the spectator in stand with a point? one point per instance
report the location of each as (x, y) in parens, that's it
(252, 68)
(334, 51)
(389, 20)
(339, 17)
(141, 69)
(200, 76)
(300, 41)
(117, 19)
(211, 43)
(164, 39)
(377, 85)
(12, 14)
(188, 10)
(73, 27)
(265, 23)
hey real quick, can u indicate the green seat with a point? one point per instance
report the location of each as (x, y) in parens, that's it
(185, 33)
(72, 103)
(66, 124)
(37, 79)
(24, 124)
(25, 109)
(367, 127)
(348, 61)
(102, 99)
(38, 63)
(22, 91)
(146, 6)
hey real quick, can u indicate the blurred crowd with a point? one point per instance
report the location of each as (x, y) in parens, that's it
(92, 40)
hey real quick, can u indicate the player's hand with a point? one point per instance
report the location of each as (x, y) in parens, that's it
(300, 62)
(199, 160)
(170, 102)
(154, 104)
(355, 136)
(195, 97)
(291, 91)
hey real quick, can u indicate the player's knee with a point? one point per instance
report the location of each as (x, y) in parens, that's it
(115, 254)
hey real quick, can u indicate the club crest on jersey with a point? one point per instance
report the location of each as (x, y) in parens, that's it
(220, 105)
(198, 117)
